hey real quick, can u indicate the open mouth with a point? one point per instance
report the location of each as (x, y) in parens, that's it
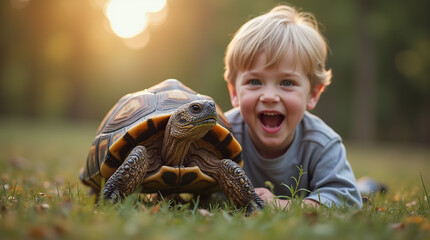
(271, 119)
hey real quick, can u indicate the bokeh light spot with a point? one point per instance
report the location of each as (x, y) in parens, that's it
(129, 18)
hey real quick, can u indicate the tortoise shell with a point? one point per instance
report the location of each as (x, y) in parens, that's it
(139, 116)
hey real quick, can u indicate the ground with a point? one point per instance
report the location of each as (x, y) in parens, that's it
(41, 196)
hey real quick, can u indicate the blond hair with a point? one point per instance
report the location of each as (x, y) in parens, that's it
(274, 34)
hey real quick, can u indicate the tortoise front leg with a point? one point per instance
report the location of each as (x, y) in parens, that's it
(232, 180)
(128, 176)
(237, 186)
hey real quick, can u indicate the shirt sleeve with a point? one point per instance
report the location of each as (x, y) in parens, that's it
(333, 181)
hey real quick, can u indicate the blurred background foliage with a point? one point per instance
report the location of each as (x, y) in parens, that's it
(59, 59)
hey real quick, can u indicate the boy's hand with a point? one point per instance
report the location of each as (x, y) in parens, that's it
(270, 201)
(265, 194)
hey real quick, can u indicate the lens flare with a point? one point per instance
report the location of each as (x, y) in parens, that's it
(129, 18)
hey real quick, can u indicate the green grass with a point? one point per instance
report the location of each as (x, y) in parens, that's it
(42, 198)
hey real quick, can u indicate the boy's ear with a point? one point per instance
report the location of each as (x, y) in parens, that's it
(233, 95)
(314, 96)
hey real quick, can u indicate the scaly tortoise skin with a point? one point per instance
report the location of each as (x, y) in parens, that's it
(168, 139)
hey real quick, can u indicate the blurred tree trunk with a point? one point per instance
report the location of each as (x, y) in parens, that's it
(202, 50)
(3, 41)
(2, 94)
(76, 105)
(77, 74)
(35, 36)
(364, 115)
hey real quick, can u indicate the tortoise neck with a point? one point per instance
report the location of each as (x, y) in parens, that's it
(174, 149)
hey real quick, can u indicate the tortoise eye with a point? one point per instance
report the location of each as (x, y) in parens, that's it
(195, 108)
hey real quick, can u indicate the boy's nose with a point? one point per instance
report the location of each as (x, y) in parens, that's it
(269, 97)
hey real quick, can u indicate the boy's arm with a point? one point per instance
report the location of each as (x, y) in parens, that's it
(332, 180)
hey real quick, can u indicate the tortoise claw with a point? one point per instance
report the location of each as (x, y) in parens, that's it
(257, 204)
(112, 195)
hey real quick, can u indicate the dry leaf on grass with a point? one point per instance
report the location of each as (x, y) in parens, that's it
(155, 209)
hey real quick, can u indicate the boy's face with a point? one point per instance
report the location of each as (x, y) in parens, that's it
(272, 102)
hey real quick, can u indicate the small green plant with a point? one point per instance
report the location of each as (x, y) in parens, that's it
(425, 190)
(294, 190)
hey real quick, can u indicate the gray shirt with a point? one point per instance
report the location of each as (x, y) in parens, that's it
(317, 148)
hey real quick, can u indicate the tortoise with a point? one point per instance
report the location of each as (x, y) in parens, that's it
(168, 139)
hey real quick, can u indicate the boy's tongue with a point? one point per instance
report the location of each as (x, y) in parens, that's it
(271, 120)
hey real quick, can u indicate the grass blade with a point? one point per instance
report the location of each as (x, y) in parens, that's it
(425, 190)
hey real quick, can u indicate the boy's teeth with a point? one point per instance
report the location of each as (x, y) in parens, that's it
(270, 119)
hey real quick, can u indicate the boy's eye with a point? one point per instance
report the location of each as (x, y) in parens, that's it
(254, 82)
(287, 83)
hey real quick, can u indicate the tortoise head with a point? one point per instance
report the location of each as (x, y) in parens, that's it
(193, 120)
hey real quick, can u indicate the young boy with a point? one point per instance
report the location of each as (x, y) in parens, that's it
(275, 71)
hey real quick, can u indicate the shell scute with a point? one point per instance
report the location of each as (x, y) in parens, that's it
(170, 84)
(103, 146)
(129, 109)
